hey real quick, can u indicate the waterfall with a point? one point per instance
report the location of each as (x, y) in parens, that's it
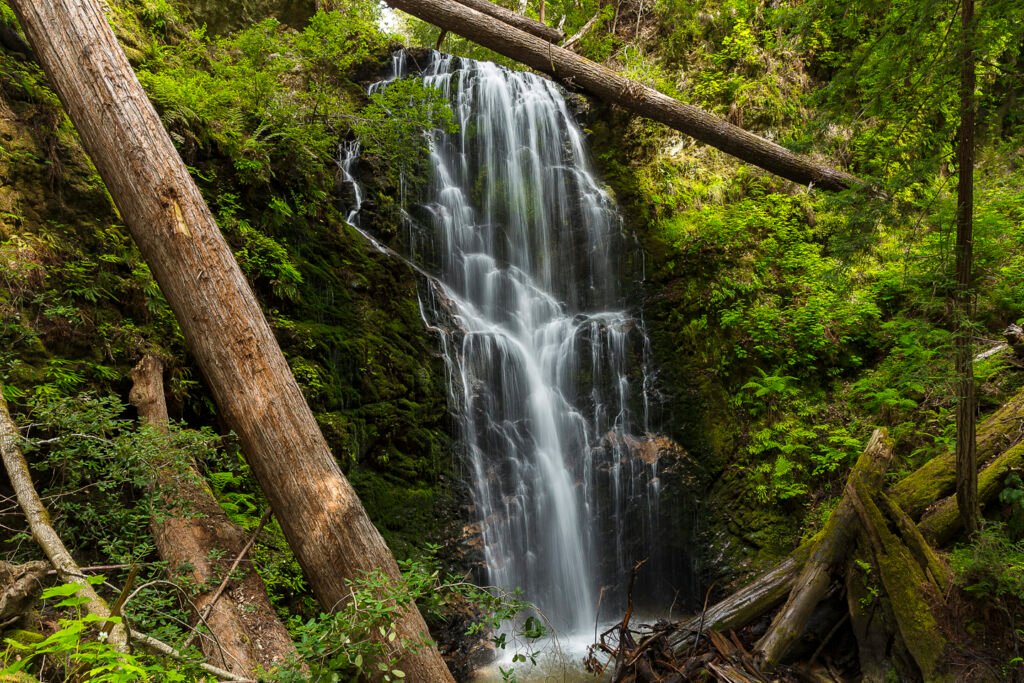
(549, 379)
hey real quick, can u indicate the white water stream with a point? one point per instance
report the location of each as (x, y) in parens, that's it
(527, 251)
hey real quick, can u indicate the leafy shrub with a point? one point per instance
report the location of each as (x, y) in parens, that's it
(74, 649)
(360, 639)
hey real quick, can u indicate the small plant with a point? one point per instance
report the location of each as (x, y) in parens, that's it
(1012, 497)
(992, 566)
(871, 589)
(76, 650)
(361, 638)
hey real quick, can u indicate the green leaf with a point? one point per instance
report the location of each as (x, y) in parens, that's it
(63, 590)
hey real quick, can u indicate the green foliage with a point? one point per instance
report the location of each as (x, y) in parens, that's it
(392, 127)
(1012, 498)
(770, 286)
(360, 639)
(74, 649)
(100, 466)
(262, 258)
(991, 566)
(803, 319)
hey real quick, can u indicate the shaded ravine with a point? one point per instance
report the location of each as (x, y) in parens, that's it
(525, 255)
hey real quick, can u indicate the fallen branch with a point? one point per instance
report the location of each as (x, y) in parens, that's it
(43, 532)
(158, 647)
(582, 32)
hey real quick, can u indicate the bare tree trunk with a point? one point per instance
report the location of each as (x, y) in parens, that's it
(828, 554)
(191, 534)
(966, 444)
(580, 73)
(42, 530)
(323, 520)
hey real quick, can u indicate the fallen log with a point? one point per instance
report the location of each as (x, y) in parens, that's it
(926, 491)
(936, 479)
(579, 73)
(828, 553)
(934, 568)
(743, 606)
(519, 21)
(197, 541)
(43, 532)
(768, 590)
(941, 521)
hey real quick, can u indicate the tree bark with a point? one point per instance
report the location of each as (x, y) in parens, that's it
(234, 347)
(43, 532)
(191, 533)
(523, 23)
(829, 553)
(580, 73)
(966, 445)
(868, 620)
(19, 586)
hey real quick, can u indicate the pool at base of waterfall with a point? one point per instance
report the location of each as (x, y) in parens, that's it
(558, 658)
(554, 659)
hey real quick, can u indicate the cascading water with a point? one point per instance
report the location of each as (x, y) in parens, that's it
(528, 254)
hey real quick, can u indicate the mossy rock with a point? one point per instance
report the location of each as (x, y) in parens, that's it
(24, 637)
(19, 677)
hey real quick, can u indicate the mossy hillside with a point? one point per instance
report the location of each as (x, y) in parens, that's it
(785, 324)
(258, 117)
(77, 300)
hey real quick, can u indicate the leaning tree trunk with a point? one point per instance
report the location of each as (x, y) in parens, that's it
(323, 520)
(199, 543)
(580, 73)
